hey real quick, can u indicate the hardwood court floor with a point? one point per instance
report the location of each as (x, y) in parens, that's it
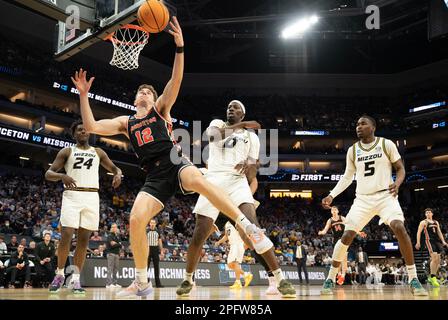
(223, 293)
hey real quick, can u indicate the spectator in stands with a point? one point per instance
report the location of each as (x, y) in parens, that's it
(19, 267)
(6, 229)
(113, 245)
(13, 245)
(3, 247)
(23, 242)
(31, 248)
(43, 257)
(96, 237)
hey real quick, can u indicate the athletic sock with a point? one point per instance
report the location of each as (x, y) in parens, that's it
(141, 275)
(188, 277)
(332, 273)
(243, 222)
(278, 275)
(270, 274)
(412, 272)
(60, 272)
(75, 277)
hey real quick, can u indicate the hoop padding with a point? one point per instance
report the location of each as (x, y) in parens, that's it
(128, 42)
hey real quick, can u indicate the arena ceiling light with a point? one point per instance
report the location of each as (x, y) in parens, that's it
(298, 28)
(24, 158)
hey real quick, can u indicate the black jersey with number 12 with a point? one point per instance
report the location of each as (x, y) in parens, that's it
(151, 137)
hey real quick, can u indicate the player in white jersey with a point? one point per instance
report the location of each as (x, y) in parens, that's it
(236, 254)
(233, 155)
(80, 200)
(372, 159)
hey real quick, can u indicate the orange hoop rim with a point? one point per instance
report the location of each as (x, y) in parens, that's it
(127, 26)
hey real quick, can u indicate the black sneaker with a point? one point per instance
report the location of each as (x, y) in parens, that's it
(184, 289)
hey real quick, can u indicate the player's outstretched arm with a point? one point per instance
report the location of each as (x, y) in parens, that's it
(58, 163)
(345, 181)
(216, 133)
(106, 127)
(110, 166)
(325, 230)
(171, 91)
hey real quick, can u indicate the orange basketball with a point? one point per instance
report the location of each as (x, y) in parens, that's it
(153, 16)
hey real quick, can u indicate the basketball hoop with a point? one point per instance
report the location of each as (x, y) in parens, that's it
(128, 42)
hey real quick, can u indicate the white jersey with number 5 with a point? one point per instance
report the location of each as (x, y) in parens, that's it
(83, 166)
(372, 164)
(225, 154)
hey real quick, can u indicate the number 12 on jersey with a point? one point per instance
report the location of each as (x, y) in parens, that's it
(144, 137)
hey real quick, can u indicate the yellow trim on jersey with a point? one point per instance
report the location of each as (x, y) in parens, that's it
(371, 148)
(82, 189)
(384, 149)
(354, 153)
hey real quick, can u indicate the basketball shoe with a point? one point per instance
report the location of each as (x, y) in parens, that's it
(184, 289)
(136, 289)
(417, 288)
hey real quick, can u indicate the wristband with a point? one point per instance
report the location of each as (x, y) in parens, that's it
(179, 49)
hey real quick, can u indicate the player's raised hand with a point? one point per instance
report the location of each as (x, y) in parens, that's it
(393, 189)
(252, 125)
(417, 246)
(320, 233)
(326, 202)
(176, 32)
(81, 83)
(68, 181)
(116, 181)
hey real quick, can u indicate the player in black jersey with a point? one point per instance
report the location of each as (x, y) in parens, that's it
(434, 242)
(167, 170)
(337, 226)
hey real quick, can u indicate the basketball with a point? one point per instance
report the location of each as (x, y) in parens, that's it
(153, 16)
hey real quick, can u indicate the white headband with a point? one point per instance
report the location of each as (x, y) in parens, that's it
(240, 103)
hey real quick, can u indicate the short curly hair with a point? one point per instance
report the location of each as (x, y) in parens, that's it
(74, 126)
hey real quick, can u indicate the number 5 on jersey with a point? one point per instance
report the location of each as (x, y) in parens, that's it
(144, 137)
(369, 169)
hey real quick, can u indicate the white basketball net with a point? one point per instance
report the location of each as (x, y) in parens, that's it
(128, 42)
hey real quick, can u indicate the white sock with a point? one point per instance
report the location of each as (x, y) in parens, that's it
(243, 222)
(60, 272)
(141, 275)
(75, 277)
(271, 280)
(188, 277)
(278, 275)
(332, 273)
(412, 272)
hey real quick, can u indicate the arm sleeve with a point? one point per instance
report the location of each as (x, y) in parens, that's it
(254, 151)
(392, 151)
(347, 178)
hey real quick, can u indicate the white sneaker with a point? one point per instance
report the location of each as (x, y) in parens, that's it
(259, 240)
(272, 289)
(116, 285)
(136, 289)
(110, 286)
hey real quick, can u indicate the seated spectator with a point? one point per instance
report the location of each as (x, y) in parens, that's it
(23, 242)
(43, 257)
(3, 247)
(96, 236)
(175, 256)
(30, 249)
(6, 229)
(13, 245)
(19, 267)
